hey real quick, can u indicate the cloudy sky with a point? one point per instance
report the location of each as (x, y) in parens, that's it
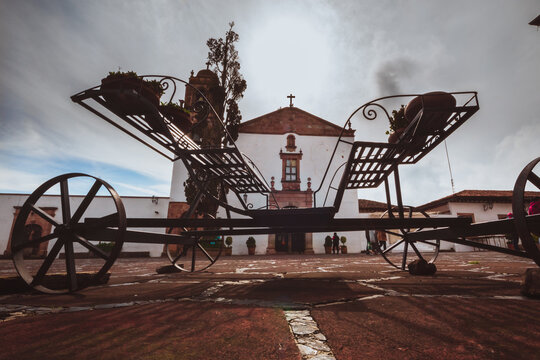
(332, 55)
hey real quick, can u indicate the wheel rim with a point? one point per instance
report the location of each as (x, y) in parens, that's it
(196, 257)
(519, 204)
(431, 245)
(69, 234)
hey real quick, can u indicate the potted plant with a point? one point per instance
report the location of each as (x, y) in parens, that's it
(251, 244)
(122, 89)
(343, 240)
(442, 101)
(106, 246)
(228, 249)
(178, 115)
(398, 124)
(328, 244)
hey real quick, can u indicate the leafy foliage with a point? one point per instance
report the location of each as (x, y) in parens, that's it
(250, 242)
(175, 105)
(343, 240)
(223, 57)
(207, 205)
(155, 85)
(398, 120)
(328, 241)
(106, 246)
(228, 241)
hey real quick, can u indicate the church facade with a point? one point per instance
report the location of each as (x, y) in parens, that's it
(292, 149)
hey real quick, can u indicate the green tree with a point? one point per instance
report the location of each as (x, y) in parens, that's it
(223, 57)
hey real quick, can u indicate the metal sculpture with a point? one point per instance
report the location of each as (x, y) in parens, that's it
(369, 165)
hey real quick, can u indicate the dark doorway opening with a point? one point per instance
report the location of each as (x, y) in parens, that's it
(32, 232)
(290, 243)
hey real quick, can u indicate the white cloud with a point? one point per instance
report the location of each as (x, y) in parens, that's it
(328, 53)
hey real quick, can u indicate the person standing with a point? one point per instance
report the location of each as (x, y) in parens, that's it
(381, 240)
(371, 237)
(335, 244)
(513, 236)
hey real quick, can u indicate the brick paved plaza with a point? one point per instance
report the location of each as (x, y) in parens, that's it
(281, 307)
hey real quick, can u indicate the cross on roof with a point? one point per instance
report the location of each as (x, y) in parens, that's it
(208, 63)
(290, 98)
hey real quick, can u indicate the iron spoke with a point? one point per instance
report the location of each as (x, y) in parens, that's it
(102, 254)
(393, 233)
(205, 253)
(404, 259)
(44, 215)
(393, 246)
(193, 257)
(416, 251)
(18, 247)
(64, 198)
(533, 178)
(47, 262)
(70, 265)
(180, 253)
(86, 202)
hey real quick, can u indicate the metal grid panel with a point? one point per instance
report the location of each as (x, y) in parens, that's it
(228, 165)
(370, 163)
(225, 164)
(420, 144)
(373, 162)
(154, 125)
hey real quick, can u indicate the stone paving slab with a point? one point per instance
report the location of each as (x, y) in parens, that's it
(448, 283)
(113, 294)
(432, 328)
(282, 307)
(157, 331)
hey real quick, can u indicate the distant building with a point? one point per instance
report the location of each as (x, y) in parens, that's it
(366, 206)
(480, 205)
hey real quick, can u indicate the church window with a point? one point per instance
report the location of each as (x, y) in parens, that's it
(290, 170)
(291, 146)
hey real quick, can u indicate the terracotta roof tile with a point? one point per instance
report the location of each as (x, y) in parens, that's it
(366, 206)
(292, 120)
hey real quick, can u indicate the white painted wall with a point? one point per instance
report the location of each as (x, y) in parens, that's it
(264, 150)
(136, 207)
(481, 214)
(179, 176)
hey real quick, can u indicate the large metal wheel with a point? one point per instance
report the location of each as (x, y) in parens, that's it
(429, 250)
(199, 256)
(520, 206)
(49, 270)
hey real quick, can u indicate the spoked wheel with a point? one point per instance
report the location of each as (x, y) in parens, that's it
(426, 249)
(46, 224)
(198, 256)
(527, 232)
